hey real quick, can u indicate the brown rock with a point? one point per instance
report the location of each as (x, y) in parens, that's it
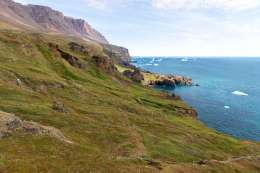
(104, 63)
(135, 75)
(58, 106)
(42, 18)
(10, 124)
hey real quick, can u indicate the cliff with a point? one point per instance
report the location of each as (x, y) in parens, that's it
(119, 54)
(45, 19)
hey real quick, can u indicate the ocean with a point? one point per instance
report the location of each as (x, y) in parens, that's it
(228, 98)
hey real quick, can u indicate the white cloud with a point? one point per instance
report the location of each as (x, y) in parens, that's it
(109, 4)
(22, 1)
(99, 4)
(234, 5)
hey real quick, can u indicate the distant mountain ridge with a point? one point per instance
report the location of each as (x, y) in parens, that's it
(45, 19)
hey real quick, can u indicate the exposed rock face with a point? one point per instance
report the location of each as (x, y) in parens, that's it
(10, 124)
(45, 19)
(78, 48)
(119, 54)
(135, 75)
(171, 81)
(104, 63)
(72, 60)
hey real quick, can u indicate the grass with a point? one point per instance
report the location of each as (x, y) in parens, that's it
(114, 123)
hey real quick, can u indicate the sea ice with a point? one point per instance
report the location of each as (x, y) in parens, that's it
(239, 93)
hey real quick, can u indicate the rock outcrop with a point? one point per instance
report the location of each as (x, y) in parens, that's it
(104, 63)
(79, 48)
(119, 54)
(45, 19)
(170, 80)
(72, 60)
(135, 75)
(9, 124)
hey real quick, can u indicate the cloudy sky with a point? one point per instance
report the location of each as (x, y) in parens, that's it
(172, 27)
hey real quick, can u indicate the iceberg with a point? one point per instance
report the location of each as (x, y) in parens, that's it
(184, 59)
(227, 107)
(239, 93)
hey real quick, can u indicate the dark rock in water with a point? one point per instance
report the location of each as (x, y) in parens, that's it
(165, 82)
(105, 63)
(135, 75)
(170, 81)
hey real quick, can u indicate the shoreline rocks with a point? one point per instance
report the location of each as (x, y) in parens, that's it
(171, 81)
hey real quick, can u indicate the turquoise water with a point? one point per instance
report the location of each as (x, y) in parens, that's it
(228, 98)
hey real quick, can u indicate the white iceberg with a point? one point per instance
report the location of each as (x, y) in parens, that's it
(239, 93)
(227, 107)
(184, 59)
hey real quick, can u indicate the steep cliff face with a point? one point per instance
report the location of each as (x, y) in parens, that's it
(45, 19)
(120, 54)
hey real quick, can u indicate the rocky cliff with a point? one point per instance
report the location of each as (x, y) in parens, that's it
(45, 19)
(120, 54)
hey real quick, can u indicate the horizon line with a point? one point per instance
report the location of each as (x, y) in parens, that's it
(183, 56)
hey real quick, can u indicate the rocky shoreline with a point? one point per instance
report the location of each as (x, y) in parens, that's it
(148, 78)
(170, 80)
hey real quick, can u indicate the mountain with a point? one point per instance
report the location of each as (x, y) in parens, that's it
(67, 105)
(45, 19)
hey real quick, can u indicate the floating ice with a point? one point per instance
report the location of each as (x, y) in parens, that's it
(227, 107)
(184, 59)
(239, 93)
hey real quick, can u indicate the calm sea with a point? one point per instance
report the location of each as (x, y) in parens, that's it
(228, 98)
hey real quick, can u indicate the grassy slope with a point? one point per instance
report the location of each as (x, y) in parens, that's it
(116, 125)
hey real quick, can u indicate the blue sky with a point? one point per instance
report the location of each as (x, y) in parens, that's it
(171, 27)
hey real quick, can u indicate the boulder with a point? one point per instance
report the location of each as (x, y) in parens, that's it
(58, 106)
(135, 75)
(9, 124)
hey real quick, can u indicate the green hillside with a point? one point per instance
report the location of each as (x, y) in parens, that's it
(116, 125)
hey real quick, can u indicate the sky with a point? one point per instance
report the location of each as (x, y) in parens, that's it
(171, 27)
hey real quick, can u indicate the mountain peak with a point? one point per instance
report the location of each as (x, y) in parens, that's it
(45, 19)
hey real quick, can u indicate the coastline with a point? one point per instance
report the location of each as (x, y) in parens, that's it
(221, 101)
